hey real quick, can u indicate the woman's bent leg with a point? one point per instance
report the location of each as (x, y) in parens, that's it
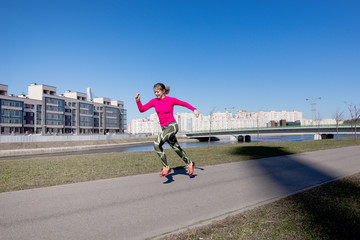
(176, 146)
(169, 135)
(173, 142)
(158, 143)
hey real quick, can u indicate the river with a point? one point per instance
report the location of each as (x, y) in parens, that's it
(149, 147)
(289, 138)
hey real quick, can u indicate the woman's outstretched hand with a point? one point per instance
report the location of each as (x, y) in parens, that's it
(196, 113)
(137, 97)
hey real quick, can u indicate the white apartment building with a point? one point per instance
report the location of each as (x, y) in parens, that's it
(42, 111)
(263, 119)
(148, 125)
(224, 121)
(325, 121)
(218, 121)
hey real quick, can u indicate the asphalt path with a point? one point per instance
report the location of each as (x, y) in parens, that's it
(147, 206)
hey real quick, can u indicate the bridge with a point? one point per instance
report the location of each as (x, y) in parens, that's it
(246, 134)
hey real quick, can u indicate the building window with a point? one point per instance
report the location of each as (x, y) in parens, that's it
(11, 116)
(11, 103)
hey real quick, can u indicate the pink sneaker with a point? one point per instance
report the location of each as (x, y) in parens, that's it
(165, 171)
(191, 167)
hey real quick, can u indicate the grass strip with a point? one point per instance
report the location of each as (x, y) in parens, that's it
(331, 211)
(43, 172)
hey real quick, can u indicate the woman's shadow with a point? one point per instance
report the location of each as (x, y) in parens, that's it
(180, 170)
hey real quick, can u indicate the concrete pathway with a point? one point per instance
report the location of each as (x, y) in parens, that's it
(146, 206)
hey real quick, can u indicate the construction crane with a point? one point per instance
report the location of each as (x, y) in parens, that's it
(313, 106)
(229, 108)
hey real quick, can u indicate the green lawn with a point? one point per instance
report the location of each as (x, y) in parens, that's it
(34, 173)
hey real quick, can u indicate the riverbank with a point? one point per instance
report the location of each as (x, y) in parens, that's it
(50, 171)
(36, 148)
(65, 150)
(52, 144)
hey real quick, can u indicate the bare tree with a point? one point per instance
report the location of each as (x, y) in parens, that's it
(338, 117)
(354, 111)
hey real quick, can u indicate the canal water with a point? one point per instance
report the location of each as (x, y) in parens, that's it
(150, 147)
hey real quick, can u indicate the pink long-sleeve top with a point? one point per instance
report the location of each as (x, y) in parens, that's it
(164, 108)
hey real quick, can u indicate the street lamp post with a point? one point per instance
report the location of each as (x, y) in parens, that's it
(313, 107)
(210, 119)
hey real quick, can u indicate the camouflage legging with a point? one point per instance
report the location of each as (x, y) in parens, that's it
(168, 135)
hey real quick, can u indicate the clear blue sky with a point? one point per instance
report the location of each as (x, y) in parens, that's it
(250, 55)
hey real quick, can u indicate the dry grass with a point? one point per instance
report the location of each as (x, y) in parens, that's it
(331, 211)
(42, 172)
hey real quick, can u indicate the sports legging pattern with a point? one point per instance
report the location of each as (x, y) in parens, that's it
(168, 135)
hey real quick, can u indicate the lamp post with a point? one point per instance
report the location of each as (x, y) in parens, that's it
(210, 120)
(313, 107)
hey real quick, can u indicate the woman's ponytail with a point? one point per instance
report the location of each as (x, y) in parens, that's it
(167, 90)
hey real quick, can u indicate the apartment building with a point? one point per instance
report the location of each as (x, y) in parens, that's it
(217, 121)
(148, 125)
(42, 111)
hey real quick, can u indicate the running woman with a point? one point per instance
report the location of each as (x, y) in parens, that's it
(164, 107)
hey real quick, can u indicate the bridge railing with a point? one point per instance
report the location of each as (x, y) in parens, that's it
(265, 128)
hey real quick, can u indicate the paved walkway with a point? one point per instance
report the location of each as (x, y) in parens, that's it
(146, 206)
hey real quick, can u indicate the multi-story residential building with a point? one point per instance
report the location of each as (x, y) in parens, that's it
(263, 119)
(218, 121)
(325, 121)
(148, 125)
(42, 111)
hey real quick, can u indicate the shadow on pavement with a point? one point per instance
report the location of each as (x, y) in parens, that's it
(336, 220)
(180, 170)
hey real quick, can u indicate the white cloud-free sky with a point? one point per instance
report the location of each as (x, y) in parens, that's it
(250, 55)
